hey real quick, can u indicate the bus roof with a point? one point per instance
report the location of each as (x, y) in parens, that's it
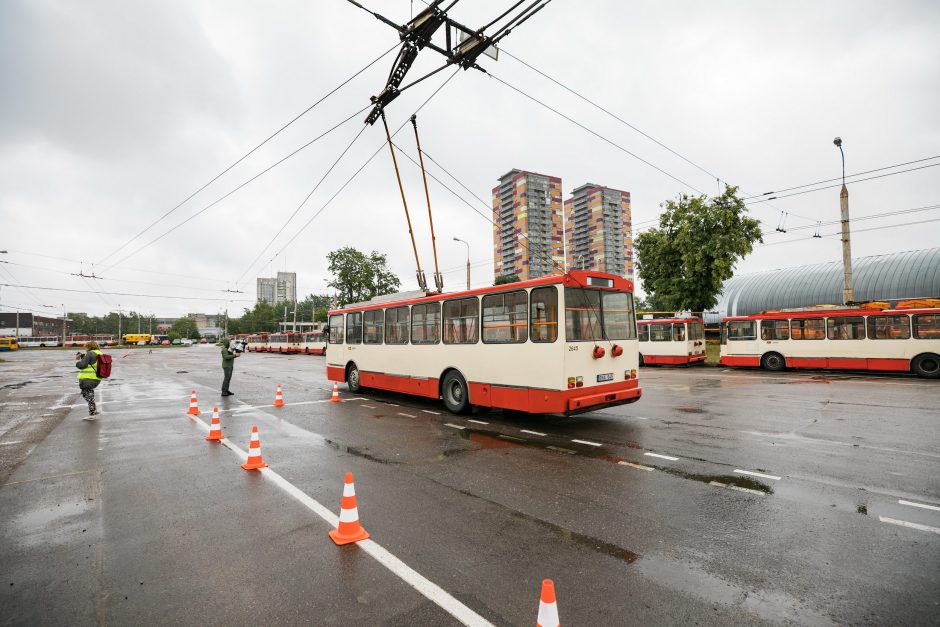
(572, 278)
(825, 313)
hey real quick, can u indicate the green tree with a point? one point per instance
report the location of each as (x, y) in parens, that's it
(185, 328)
(358, 277)
(685, 261)
(507, 278)
(261, 319)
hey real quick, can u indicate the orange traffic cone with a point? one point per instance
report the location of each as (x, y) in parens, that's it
(349, 529)
(215, 429)
(335, 398)
(278, 397)
(193, 405)
(254, 452)
(548, 609)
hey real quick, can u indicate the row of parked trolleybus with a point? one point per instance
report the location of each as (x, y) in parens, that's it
(313, 343)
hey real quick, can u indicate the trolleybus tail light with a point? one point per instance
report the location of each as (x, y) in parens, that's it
(616, 351)
(598, 352)
(580, 382)
(629, 374)
(570, 382)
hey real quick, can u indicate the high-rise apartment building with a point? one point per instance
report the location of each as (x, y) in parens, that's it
(599, 230)
(279, 289)
(528, 234)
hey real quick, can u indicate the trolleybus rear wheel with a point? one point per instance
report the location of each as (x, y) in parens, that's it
(352, 379)
(773, 361)
(927, 365)
(455, 393)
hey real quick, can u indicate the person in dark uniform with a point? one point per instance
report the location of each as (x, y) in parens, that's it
(228, 364)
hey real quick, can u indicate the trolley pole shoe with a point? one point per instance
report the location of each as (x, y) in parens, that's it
(215, 429)
(193, 405)
(335, 398)
(254, 452)
(349, 529)
(548, 609)
(278, 397)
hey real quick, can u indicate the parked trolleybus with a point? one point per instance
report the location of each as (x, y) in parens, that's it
(39, 341)
(314, 343)
(556, 344)
(257, 343)
(671, 341)
(285, 342)
(903, 340)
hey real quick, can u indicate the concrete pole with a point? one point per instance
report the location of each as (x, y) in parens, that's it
(848, 293)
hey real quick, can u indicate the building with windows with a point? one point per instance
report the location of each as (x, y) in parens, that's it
(281, 288)
(599, 230)
(24, 324)
(528, 233)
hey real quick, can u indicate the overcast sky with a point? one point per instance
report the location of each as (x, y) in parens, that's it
(113, 112)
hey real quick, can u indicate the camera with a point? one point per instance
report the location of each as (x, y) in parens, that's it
(236, 346)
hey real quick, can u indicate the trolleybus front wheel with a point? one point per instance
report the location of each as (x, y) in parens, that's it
(455, 393)
(773, 362)
(352, 379)
(926, 365)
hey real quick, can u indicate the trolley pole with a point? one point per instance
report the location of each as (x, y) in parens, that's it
(848, 292)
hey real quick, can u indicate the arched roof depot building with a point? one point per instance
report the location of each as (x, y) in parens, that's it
(912, 274)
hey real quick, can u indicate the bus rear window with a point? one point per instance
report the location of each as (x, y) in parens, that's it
(696, 331)
(618, 316)
(927, 327)
(582, 311)
(889, 327)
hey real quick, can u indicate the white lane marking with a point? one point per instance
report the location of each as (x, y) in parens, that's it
(531, 432)
(587, 442)
(637, 466)
(756, 474)
(12, 442)
(368, 406)
(479, 422)
(405, 415)
(428, 411)
(924, 505)
(428, 588)
(561, 450)
(904, 523)
(447, 424)
(358, 398)
(393, 404)
(669, 457)
(738, 488)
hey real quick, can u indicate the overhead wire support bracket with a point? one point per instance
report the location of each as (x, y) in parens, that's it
(422, 282)
(438, 279)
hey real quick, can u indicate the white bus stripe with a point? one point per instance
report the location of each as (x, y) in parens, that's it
(756, 474)
(427, 588)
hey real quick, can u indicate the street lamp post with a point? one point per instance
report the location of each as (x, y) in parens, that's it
(848, 292)
(457, 239)
(64, 318)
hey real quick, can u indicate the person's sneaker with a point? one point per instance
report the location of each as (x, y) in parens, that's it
(91, 418)
(227, 394)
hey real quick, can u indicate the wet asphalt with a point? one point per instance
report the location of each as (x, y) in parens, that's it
(641, 514)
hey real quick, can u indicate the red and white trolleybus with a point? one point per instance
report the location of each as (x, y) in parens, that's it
(904, 340)
(285, 342)
(673, 341)
(556, 344)
(313, 343)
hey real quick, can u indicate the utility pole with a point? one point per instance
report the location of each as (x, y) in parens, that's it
(119, 338)
(457, 239)
(64, 318)
(848, 292)
(295, 317)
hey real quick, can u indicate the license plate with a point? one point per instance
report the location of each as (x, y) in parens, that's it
(605, 377)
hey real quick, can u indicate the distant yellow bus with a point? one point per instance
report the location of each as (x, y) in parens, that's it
(134, 338)
(8, 344)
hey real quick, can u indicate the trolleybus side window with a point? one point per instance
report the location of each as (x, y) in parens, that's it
(461, 321)
(927, 327)
(889, 327)
(336, 329)
(373, 326)
(644, 331)
(619, 321)
(354, 328)
(741, 330)
(808, 329)
(846, 328)
(678, 332)
(504, 318)
(397, 325)
(426, 323)
(582, 308)
(661, 332)
(696, 331)
(775, 329)
(543, 314)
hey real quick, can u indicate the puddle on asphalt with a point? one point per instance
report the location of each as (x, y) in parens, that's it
(691, 410)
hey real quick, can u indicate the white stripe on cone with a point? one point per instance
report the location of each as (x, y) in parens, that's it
(349, 489)
(548, 615)
(349, 515)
